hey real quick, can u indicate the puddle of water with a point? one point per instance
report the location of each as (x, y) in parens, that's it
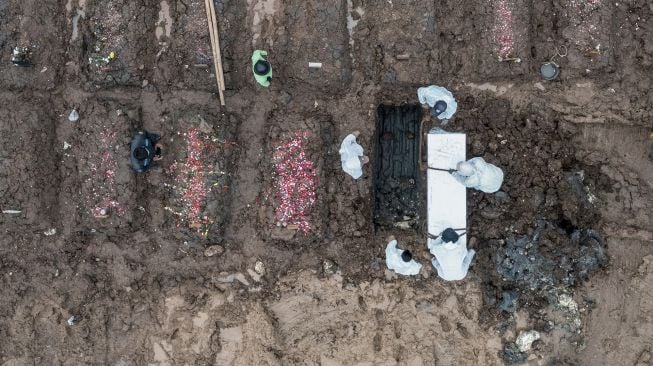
(164, 24)
(262, 10)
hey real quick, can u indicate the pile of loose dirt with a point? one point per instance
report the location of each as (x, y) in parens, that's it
(539, 235)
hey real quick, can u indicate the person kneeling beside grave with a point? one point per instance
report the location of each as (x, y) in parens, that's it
(478, 174)
(145, 150)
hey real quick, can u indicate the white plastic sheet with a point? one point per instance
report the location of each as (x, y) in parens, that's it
(350, 156)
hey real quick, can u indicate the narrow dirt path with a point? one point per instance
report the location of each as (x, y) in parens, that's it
(247, 182)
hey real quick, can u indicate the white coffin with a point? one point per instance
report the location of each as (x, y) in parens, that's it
(446, 197)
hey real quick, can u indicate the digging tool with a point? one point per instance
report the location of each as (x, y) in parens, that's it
(443, 170)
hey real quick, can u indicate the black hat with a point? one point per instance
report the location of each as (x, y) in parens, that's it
(262, 67)
(449, 235)
(438, 108)
(406, 256)
(141, 153)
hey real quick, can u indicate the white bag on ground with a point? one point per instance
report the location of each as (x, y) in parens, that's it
(430, 95)
(478, 174)
(350, 156)
(451, 260)
(396, 263)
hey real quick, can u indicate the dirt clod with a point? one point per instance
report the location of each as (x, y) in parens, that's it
(213, 250)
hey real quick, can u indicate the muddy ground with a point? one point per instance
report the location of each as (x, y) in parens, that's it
(197, 264)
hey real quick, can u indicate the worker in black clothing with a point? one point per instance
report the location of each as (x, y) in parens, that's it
(145, 150)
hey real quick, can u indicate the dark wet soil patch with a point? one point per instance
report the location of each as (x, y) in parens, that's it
(539, 235)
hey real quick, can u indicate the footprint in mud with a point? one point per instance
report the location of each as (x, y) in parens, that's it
(377, 342)
(444, 323)
(361, 303)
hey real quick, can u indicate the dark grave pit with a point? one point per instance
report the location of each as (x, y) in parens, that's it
(396, 165)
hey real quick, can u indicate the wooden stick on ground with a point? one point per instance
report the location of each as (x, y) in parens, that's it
(215, 47)
(216, 32)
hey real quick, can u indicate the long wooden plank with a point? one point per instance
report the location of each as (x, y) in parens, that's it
(214, 47)
(216, 32)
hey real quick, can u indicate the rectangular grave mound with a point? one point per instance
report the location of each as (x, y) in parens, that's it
(396, 165)
(31, 24)
(118, 44)
(96, 164)
(198, 179)
(294, 202)
(29, 184)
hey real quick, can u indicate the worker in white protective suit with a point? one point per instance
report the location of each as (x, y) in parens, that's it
(399, 260)
(452, 259)
(478, 174)
(352, 156)
(439, 100)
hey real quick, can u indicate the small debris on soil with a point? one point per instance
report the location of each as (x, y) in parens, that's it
(73, 116)
(241, 278)
(101, 213)
(509, 301)
(225, 278)
(20, 56)
(255, 276)
(329, 267)
(213, 250)
(511, 354)
(259, 268)
(525, 340)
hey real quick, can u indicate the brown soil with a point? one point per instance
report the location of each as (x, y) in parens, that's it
(569, 237)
